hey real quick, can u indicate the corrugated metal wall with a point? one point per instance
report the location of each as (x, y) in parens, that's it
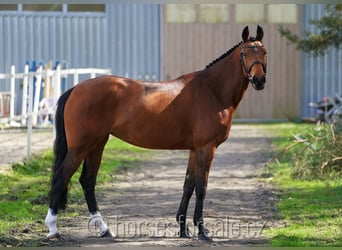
(74, 40)
(321, 76)
(125, 38)
(188, 47)
(130, 39)
(78, 40)
(134, 39)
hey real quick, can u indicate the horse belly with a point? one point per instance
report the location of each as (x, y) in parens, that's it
(146, 127)
(154, 136)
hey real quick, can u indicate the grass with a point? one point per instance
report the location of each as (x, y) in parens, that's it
(311, 209)
(23, 191)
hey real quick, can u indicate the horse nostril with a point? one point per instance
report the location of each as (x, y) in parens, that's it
(263, 79)
(259, 81)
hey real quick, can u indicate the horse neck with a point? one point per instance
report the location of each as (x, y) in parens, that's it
(226, 80)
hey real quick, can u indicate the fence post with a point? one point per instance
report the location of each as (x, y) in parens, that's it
(37, 95)
(29, 115)
(47, 82)
(76, 79)
(12, 94)
(57, 84)
(92, 74)
(25, 95)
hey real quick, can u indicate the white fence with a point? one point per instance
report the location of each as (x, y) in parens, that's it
(52, 80)
(33, 108)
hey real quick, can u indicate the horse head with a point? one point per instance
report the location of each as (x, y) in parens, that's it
(253, 58)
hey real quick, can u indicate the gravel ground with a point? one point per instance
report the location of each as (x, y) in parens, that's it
(140, 205)
(13, 145)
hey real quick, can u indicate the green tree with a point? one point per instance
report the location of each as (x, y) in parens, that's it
(329, 33)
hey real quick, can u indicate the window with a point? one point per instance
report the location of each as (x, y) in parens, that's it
(282, 13)
(8, 7)
(86, 7)
(54, 7)
(180, 13)
(42, 7)
(213, 13)
(249, 13)
(191, 13)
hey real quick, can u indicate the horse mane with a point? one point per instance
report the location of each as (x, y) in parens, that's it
(227, 53)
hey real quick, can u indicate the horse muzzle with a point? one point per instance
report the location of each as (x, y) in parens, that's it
(258, 83)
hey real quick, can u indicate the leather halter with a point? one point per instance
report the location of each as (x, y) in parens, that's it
(248, 70)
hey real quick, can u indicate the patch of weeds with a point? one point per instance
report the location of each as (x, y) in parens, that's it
(311, 152)
(316, 153)
(311, 195)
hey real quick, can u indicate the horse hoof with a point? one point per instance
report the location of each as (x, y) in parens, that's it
(185, 235)
(107, 234)
(54, 236)
(204, 237)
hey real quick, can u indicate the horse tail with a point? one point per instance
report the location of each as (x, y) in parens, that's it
(60, 150)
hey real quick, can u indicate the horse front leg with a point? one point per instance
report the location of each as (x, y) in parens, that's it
(204, 158)
(188, 189)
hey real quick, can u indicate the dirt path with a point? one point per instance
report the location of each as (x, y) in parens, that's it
(140, 207)
(13, 145)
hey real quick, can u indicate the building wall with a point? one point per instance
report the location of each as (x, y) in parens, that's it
(73, 39)
(77, 40)
(321, 76)
(123, 37)
(190, 44)
(134, 40)
(161, 42)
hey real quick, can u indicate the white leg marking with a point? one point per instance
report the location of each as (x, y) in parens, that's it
(97, 221)
(51, 223)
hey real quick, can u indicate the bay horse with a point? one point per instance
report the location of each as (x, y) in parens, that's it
(192, 112)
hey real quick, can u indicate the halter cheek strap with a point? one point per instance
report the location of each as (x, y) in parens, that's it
(248, 70)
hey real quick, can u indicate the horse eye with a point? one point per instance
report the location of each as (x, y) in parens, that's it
(244, 54)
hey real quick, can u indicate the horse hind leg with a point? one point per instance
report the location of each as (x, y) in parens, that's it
(87, 179)
(59, 189)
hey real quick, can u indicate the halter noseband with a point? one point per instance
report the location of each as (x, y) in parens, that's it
(248, 70)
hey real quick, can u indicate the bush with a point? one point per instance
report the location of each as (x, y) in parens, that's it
(316, 153)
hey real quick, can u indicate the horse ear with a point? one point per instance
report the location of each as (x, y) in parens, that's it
(260, 34)
(245, 34)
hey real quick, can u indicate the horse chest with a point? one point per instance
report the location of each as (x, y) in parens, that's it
(226, 116)
(213, 128)
(225, 122)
